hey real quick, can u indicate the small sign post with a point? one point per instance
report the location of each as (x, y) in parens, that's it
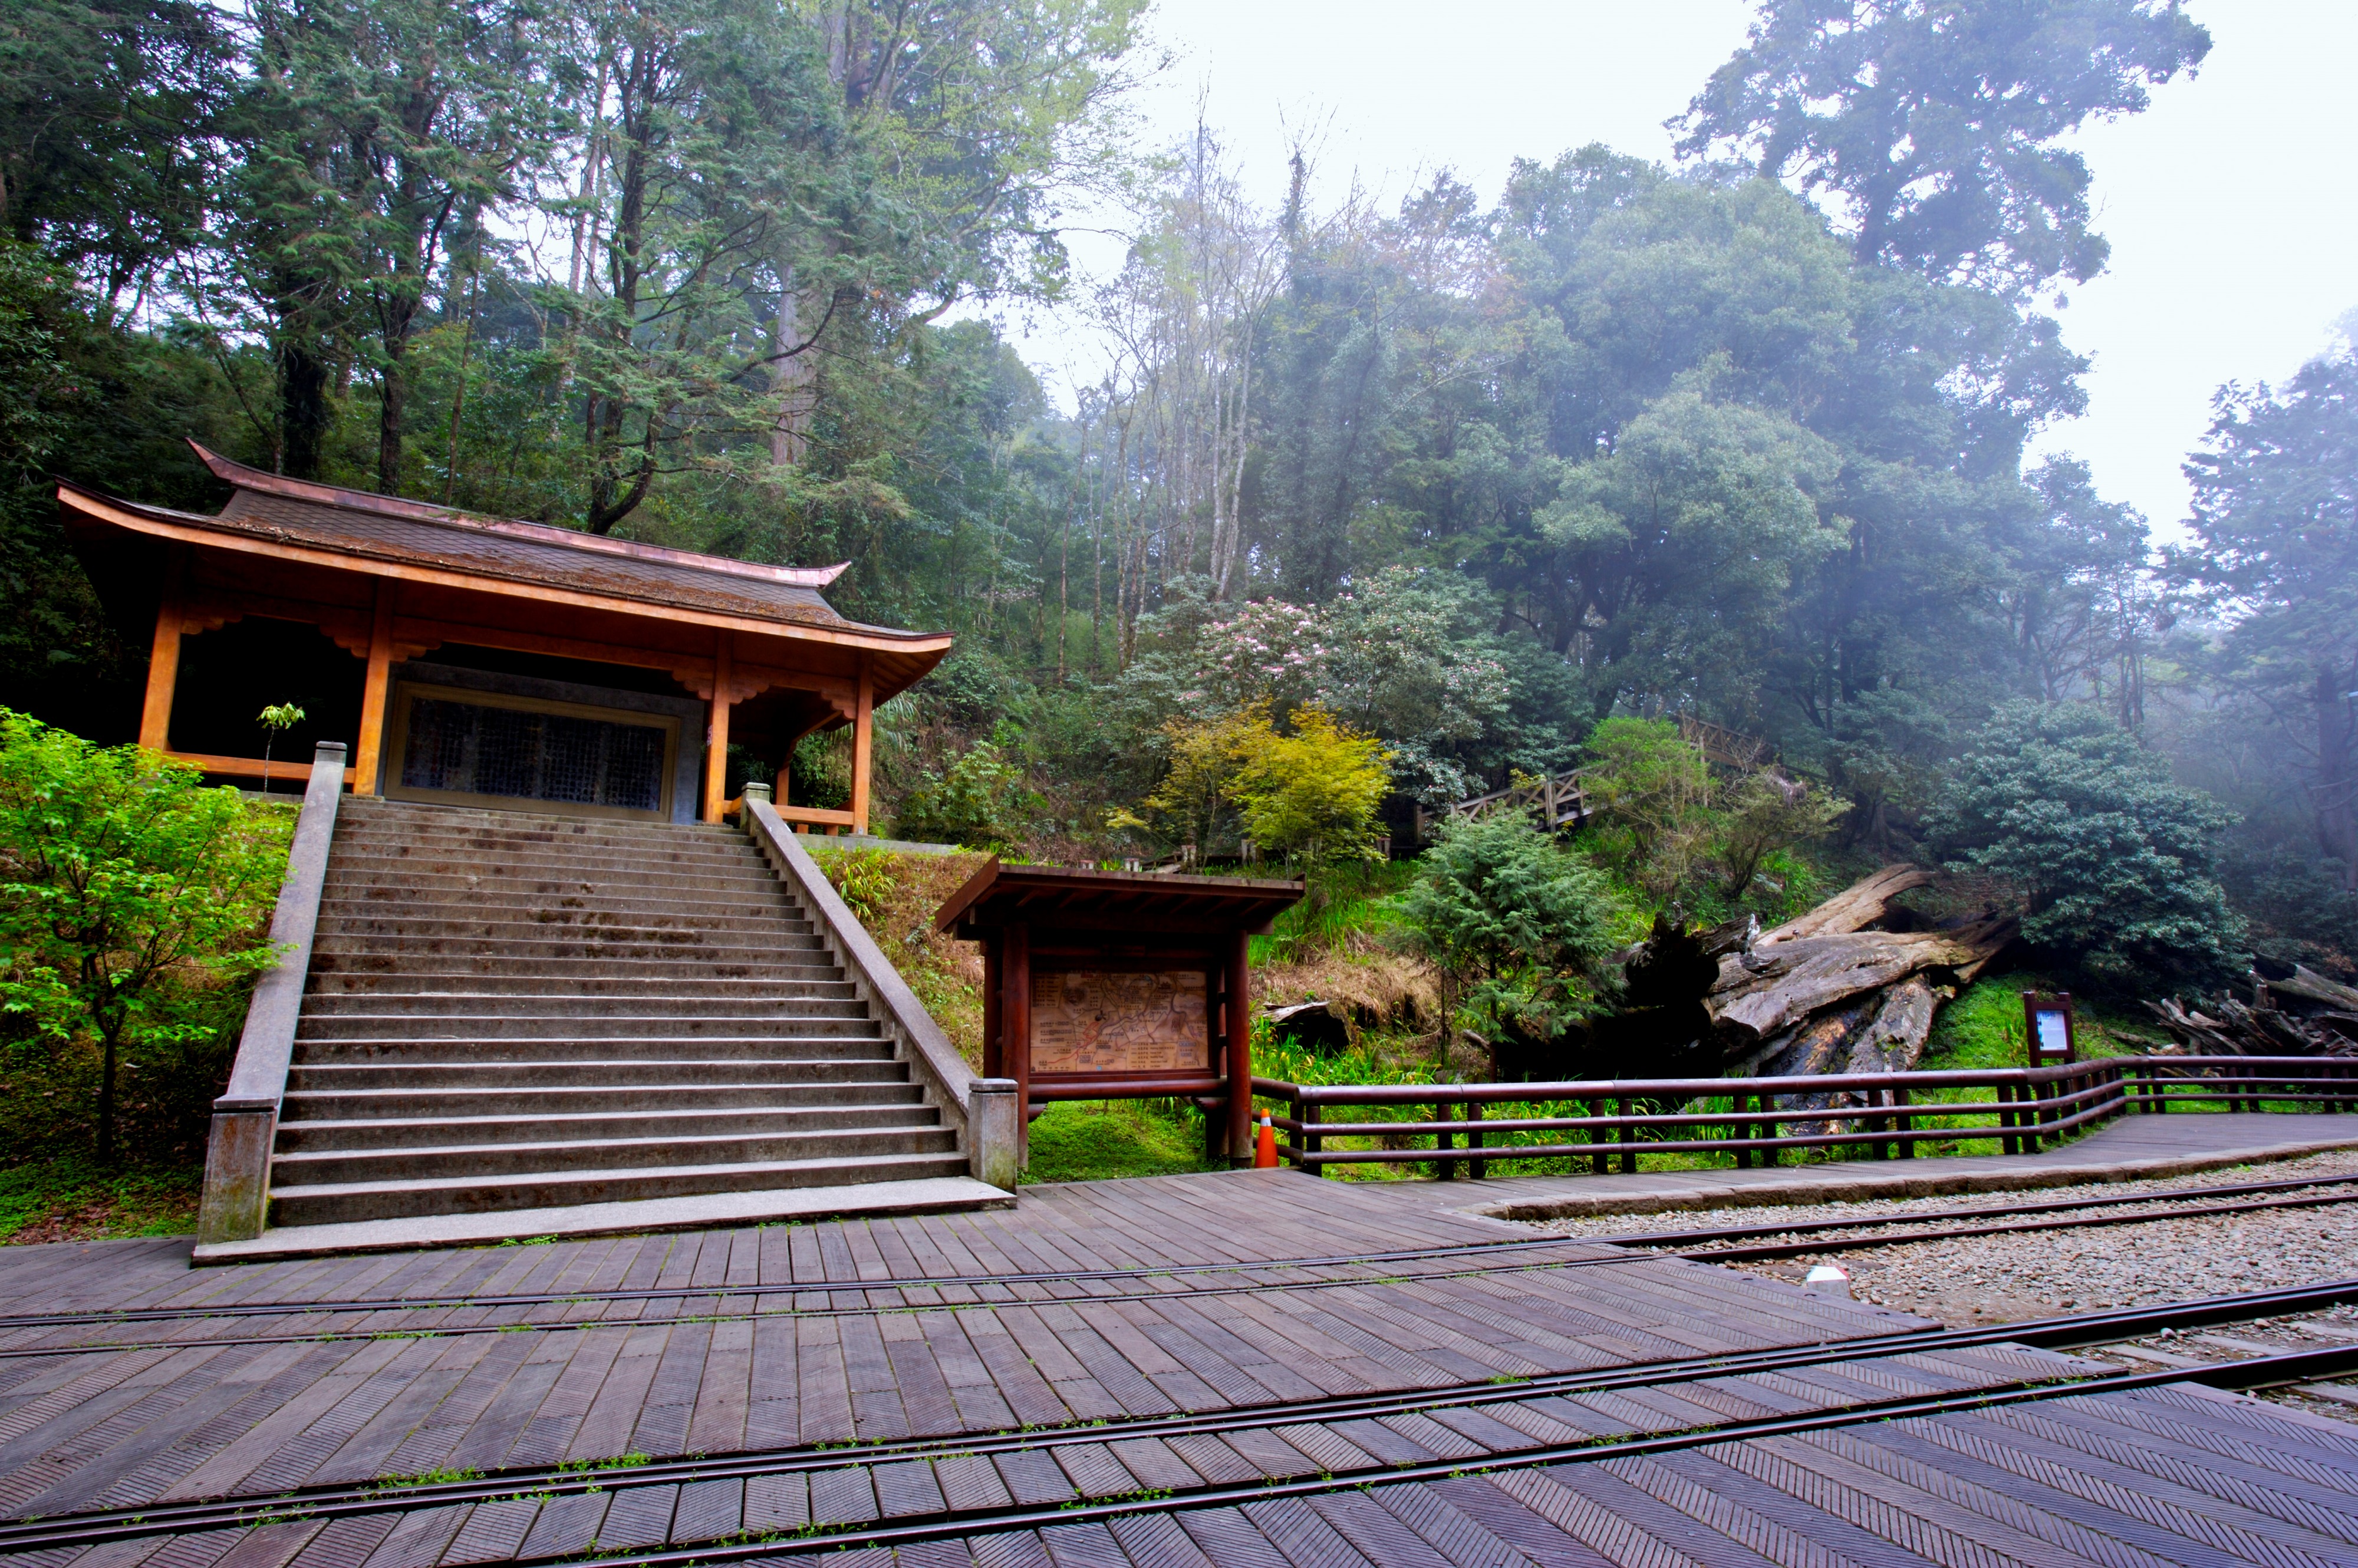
(1120, 985)
(2050, 1027)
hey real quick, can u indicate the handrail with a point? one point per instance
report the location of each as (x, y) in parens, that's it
(236, 1200)
(1880, 1110)
(929, 1050)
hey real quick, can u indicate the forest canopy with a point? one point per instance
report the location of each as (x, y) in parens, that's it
(1741, 437)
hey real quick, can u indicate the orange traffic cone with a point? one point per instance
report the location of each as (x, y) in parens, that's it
(1265, 1146)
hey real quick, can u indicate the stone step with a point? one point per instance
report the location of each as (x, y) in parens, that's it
(643, 931)
(345, 863)
(345, 1202)
(571, 912)
(349, 970)
(331, 950)
(585, 981)
(403, 819)
(760, 903)
(512, 1011)
(581, 1159)
(418, 816)
(595, 1074)
(834, 999)
(444, 1050)
(806, 1020)
(475, 1128)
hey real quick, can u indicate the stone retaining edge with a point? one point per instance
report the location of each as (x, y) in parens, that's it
(235, 1202)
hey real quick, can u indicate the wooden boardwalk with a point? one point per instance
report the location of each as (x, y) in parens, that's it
(1115, 1302)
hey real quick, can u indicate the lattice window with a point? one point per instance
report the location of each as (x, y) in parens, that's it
(555, 752)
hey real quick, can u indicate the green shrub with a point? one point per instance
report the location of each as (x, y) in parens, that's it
(981, 800)
(2117, 865)
(1515, 922)
(864, 881)
(132, 906)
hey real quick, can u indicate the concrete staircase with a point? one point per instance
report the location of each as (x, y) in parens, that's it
(512, 1011)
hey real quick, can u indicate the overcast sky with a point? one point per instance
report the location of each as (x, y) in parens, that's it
(2231, 203)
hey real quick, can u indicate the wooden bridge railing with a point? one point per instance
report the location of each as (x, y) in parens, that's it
(1718, 743)
(1884, 1113)
(1557, 801)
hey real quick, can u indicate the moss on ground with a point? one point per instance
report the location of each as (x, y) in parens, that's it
(75, 1200)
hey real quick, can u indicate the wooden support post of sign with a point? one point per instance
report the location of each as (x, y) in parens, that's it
(1016, 1019)
(163, 663)
(716, 745)
(863, 731)
(1239, 1023)
(368, 759)
(994, 1050)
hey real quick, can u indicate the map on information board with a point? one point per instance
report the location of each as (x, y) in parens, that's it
(1097, 1020)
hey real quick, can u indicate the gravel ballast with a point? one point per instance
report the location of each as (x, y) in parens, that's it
(1967, 1281)
(1998, 1279)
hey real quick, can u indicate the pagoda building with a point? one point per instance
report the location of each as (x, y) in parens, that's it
(480, 660)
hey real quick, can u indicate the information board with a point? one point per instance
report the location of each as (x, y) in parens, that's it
(1098, 1020)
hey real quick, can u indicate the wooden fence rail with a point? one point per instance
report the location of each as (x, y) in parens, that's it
(1881, 1112)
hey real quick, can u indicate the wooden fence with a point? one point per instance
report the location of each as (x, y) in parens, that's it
(1880, 1114)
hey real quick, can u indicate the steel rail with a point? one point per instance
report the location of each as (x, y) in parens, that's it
(1904, 1238)
(589, 1297)
(337, 1500)
(2260, 1372)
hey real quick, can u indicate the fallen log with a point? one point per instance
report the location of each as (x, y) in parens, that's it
(1854, 908)
(1896, 1039)
(2241, 1031)
(1813, 1047)
(1758, 993)
(2309, 986)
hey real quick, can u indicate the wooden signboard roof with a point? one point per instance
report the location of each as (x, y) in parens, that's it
(1071, 896)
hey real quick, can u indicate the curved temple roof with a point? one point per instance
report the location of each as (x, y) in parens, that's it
(385, 534)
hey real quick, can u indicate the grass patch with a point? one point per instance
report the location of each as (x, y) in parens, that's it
(1982, 1029)
(73, 1199)
(1093, 1140)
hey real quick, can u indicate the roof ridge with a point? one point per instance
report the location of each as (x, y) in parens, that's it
(233, 472)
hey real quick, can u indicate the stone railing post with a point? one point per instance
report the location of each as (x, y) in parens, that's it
(994, 1121)
(236, 1202)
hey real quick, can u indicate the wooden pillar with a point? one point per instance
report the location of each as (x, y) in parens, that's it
(863, 727)
(164, 662)
(994, 1048)
(1015, 1027)
(716, 739)
(1239, 1023)
(367, 760)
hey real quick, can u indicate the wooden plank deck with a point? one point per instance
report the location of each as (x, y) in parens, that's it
(845, 1344)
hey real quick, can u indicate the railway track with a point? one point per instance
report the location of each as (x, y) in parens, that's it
(1908, 1350)
(1694, 1245)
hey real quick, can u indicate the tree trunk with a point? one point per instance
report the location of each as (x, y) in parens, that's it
(392, 411)
(793, 379)
(2337, 770)
(106, 1102)
(302, 414)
